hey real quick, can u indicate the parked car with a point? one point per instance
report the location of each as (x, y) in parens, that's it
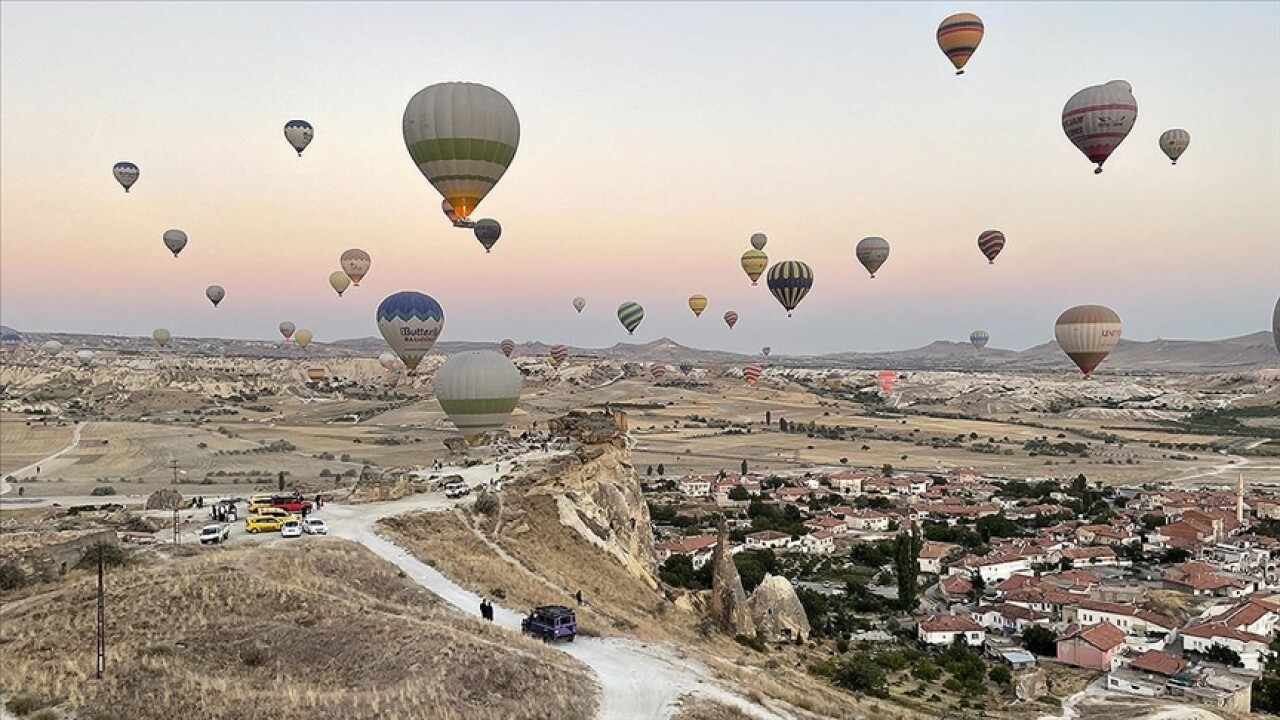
(314, 526)
(292, 503)
(262, 523)
(457, 490)
(291, 529)
(551, 623)
(215, 533)
(275, 512)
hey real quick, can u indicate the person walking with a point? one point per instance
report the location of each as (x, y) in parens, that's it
(578, 596)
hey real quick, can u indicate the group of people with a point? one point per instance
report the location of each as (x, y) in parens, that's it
(224, 511)
(486, 609)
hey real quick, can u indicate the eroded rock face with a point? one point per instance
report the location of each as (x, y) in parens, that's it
(728, 600)
(377, 487)
(164, 499)
(1031, 685)
(590, 428)
(777, 611)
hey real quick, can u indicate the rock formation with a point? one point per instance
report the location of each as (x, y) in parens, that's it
(1031, 685)
(164, 499)
(376, 487)
(777, 611)
(728, 600)
(590, 428)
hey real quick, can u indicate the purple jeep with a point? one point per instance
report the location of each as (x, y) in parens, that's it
(551, 623)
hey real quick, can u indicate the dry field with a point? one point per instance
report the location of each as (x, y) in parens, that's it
(22, 444)
(327, 631)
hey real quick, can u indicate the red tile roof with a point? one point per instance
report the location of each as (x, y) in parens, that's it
(948, 623)
(1218, 630)
(1160, 663)
(1103, 636)
(687, 545)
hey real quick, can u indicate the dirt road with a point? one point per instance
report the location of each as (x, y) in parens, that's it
(75, 440)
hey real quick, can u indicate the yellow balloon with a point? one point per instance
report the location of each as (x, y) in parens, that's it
(754, 263)
(303, 338)
(697, 303)
(339, 281)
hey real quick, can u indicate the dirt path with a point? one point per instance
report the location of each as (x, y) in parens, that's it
(638, 681)
(75, 440)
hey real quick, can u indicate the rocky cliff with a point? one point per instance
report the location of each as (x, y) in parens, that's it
(777, 611)
(728, 600)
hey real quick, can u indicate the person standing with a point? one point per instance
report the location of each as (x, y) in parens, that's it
(578, 596)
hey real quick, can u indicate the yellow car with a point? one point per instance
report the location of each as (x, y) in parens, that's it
(260, 498)
(276, 512)
(256, 506)
(263, 523)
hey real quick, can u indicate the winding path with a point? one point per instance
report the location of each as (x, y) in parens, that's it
(75, 440)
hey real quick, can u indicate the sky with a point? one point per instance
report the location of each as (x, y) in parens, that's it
(655, 139)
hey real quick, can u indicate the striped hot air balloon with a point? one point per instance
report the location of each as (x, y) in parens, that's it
(355, 263)
(1174, 143)
(410, 322)
(175, 240)
(991, 242)
(754, 263)
(463, 137)
(287, 328)
(697, 303)
(790, 281)
(959, 36)
(508, 347)
(979, 338)
(731, 319)
(834, 380)
(886, 378)
(559, 354)
(448, 211)
(477, 389)
(872, 252)
(658, 371)
(751, 373)
(1098, 118)
(1087, 334)
(630, 314)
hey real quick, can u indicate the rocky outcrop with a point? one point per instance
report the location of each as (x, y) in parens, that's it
(1031, 685)
(728, 600)
(777, 611)
(590, 428)
(164, 499)
(377, 487)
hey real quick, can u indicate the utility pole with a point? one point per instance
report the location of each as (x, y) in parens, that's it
(102, 614)
(173, 465)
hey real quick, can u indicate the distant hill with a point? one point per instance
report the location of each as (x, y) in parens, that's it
(1249, 352)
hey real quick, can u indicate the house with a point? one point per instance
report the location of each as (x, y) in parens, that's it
(794, 495)
(818, 543)
(994, 568)
(836, 527)
(1105, 535)
(956, 588)
(1132, 620)
(1252, 649)
(1090, 646)
(932, 554)
(868, 520)
(1007, 618)
(1074, 580)
(699, 548)
(768, 539)
(721, 487)
(1044, 598)
(943, 630)
(1092, 556)
(1255, 616)
(847, 483)
(695, 485)
(1145, 674)
(1199, 578)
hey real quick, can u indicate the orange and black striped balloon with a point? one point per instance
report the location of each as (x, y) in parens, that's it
(959, 36)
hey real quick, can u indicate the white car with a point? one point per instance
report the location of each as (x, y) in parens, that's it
(291, 529)
(457, 490)
(314, 526)
(210, 534)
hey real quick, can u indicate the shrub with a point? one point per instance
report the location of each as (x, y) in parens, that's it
(112, 555)
(254, 656)
(754, 642)
(104, 490)
(25, 703)
(486, 503)
(46, 714)
(12, 577)
(1000, 675)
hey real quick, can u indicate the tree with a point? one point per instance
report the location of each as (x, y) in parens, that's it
(649, 471)
(996, 526)
(1175, 555)
(280, 481)
(906, 565)
(662, 470)
(782, 424)
(753, 565)
(925, 670)
(861, 673)
(887, 470)
(977, 586)
(1040, 641)
(1000, 675)
(678, 571)
(744, 467)
(1220, 653)
(737, 492)
(768, 417)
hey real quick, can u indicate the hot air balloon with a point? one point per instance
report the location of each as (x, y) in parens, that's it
(175, 240)
(339, 281)
(161, 336)
(1275, 325)
(215, 293)
(766, 351)
(731, 319)
(834, 380)
(477, 389)
(886, 379)
(410, 322)
(1098, 118)
(85, 357)
(658, 371)
(697, 303)
(686, 368)
(126, 173)
(508, 347)
(487, 232)
(751, 373)
(630, 314)
(559, 354)
(1174, 143)
(387, 361)
(991, 242)
(355, 263)
(448, 211)
(959, 36)
(754, 263)
(790, 281)
(579, 303)
(299, 134)
(1087, 334)
(287, 328)
(462, 137)
(303, 338)
(979, 338)
(872, 252)
(53, 347)
(759, 240)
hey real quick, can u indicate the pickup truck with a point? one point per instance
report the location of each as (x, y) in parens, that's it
(210, 534)
(551, 623)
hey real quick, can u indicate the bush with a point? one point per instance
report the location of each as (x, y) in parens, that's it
(112, 555)
(1040, 641)
(254, 656)
(104, 490)
(12, 577)
(1000, 675)
(754, 642)
(926, 670)
(862, 673)
(25, 704)
(486, 503)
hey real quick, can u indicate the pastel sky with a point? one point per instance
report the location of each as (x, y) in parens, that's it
(655, 139)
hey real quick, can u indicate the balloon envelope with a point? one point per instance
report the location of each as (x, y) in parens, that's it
(751, 373)
(508, 347)
(1087, 334)
(287, 328)
(579, 303)
(161, 336)
(959, 36)
(790, 281)
(979, 338)
(886, 378)
(478, 389)
(448, 211)
(559, 354)
(299, 134)
(126, 173)
(697, 303)
(686, 368)
(175, 240)
(1174, 143)
(387, 360)
(1275, 325)
(872, 252)
(630, 314)
(766, 351)
(339, 281)
(834, 380)
(215, 293)
(52, 347)
(463, 137)
(731, 319)
(410, 322)
(658, 371)
(1098, 118)
(355, 263)
(85, 357)
(759, 240)
(487, 232)
(990, 243)
(303, 338)
(754, 264)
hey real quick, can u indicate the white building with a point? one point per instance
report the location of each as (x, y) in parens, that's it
(943, 629)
